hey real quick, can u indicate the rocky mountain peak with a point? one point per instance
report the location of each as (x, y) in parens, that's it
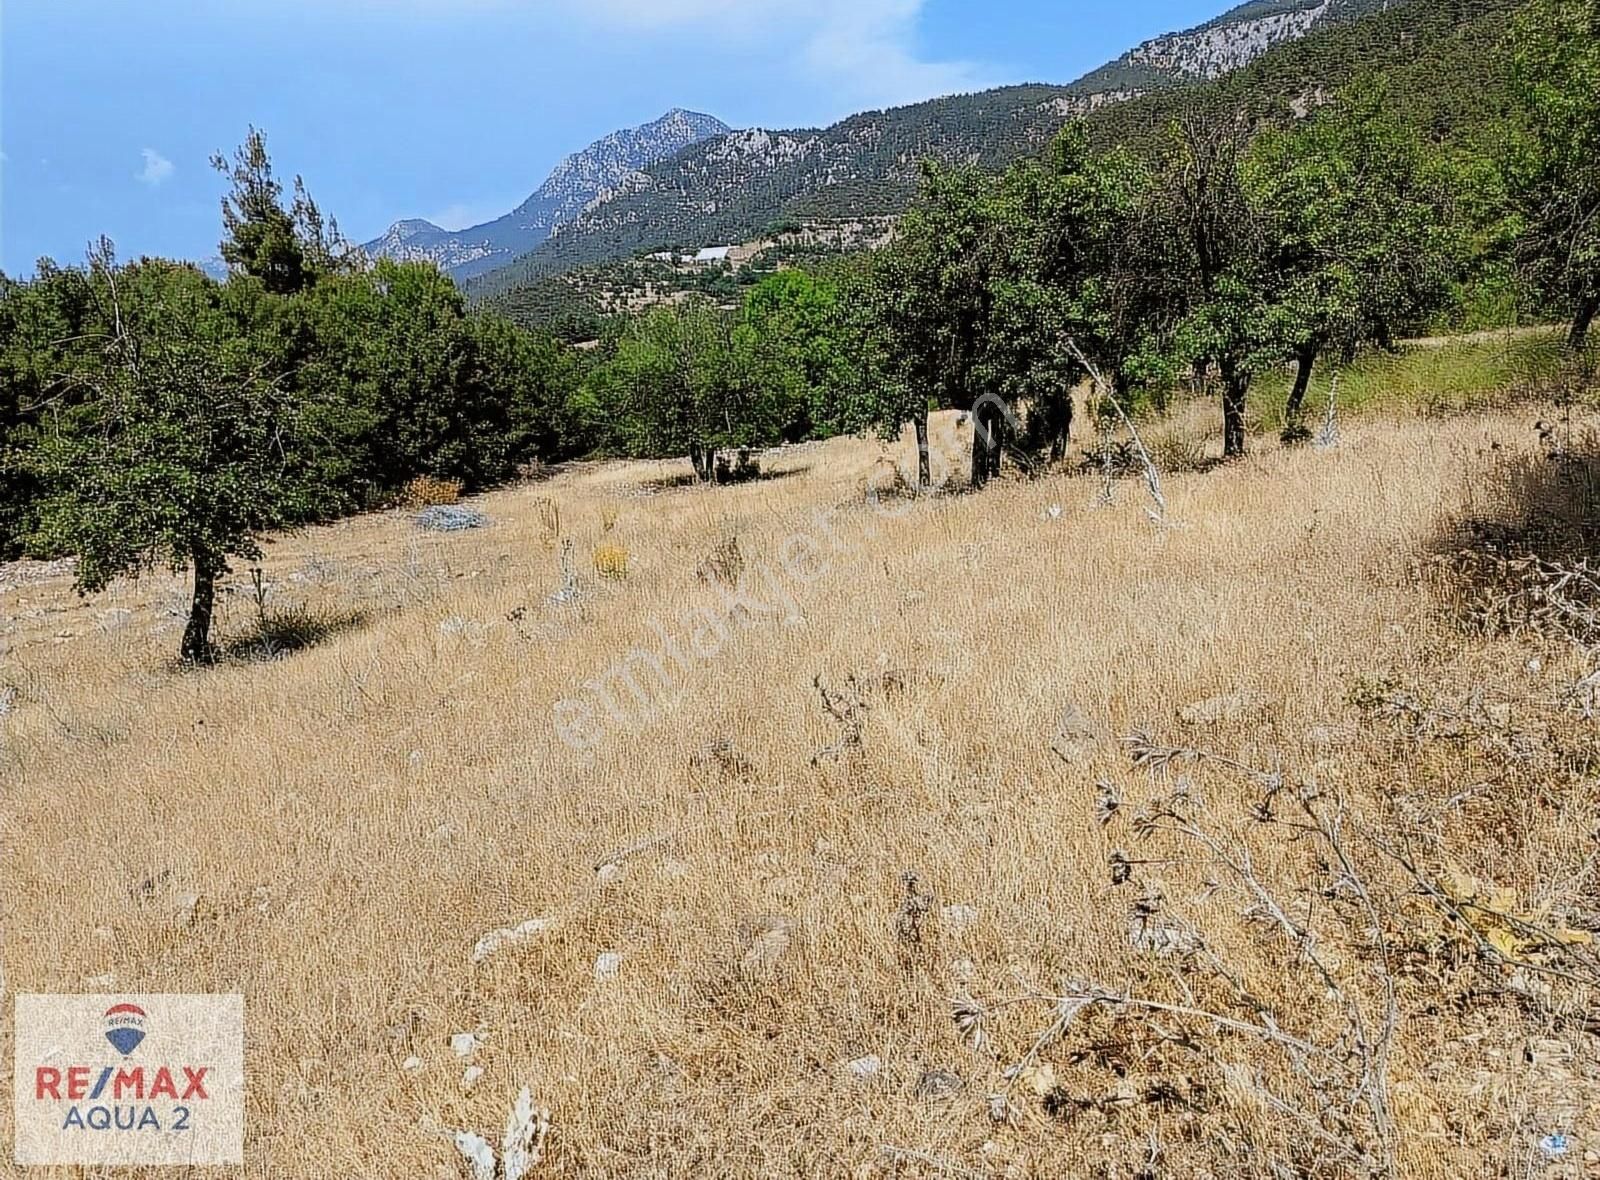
(604, 168)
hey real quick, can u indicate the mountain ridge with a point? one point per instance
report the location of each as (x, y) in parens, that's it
(603, 169)
(736, 185)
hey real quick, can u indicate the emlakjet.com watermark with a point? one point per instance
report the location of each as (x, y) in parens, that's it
(129, 1079)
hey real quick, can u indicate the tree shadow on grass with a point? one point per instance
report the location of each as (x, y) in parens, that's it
(687, 479)
(1522, 551)
(284, 633)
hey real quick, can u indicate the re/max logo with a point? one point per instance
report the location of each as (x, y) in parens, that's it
(73, 1083)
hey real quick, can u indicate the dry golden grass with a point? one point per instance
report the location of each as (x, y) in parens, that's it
(353, 817)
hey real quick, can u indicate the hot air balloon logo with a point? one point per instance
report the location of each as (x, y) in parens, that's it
(124, 1027)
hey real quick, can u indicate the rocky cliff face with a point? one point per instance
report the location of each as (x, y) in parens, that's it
(1216, 49)
(603, 170)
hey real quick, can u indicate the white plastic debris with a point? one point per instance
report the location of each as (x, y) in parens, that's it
(497, 940)
(1051, 513)
(607, 964)
(1555, 1145)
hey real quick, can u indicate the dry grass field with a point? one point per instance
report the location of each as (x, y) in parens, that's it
(858, 874)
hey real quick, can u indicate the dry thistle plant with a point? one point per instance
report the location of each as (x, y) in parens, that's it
(1299, 968)
(1152, 477)
(847, 706)
(426, 491)
(568, 591)
(724, 564)
(548, 514)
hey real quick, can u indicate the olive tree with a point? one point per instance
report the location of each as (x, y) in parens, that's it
(1556, 164)
(184, 455)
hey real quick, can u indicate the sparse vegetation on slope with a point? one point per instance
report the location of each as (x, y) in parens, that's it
(872, 883)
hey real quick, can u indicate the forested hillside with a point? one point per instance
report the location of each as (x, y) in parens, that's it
(733, 187)
(1446, 57)
(1445, 61)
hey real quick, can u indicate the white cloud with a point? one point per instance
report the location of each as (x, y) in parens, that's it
(865, 51)
(157, 168)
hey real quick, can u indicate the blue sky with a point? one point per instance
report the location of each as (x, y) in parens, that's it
(455, 109)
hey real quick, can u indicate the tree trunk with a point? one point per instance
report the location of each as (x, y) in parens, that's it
(700, 459)
(999, 435)
(1235, 384)
(1306, 360)
(197, 647)
(1588, 307)
(924, 472)
(988, 441)
(1062, 428)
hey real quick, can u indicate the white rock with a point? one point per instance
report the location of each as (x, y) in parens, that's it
(470, 1076)
(476, 1151)
(1232, 706)
(412, 1064)
(185, 908)
(496, 940)
(464, 1044)
(958, 919)
(607, 965)
(766, 941)
(608, 872)
(869, 1066)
